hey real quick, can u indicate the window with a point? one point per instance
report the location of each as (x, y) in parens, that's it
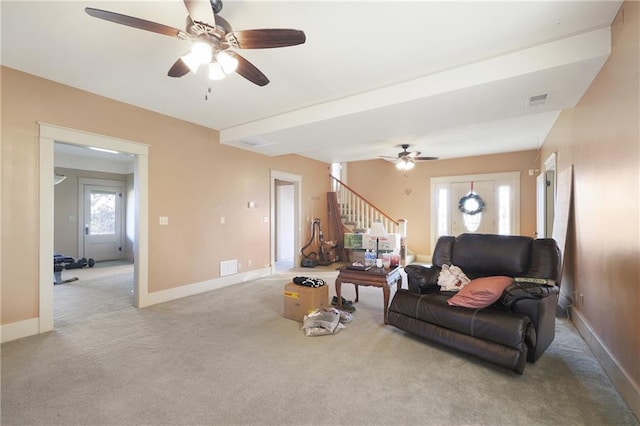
(504, 210)
(443, 212)
(103, 213)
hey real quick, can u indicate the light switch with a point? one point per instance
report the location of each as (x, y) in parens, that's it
(72, 218)
(222, 220)
(164, 220)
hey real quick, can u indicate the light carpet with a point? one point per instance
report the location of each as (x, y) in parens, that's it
(229, 357)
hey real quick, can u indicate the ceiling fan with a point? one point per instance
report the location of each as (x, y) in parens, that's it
(212, 40)
(406, 160)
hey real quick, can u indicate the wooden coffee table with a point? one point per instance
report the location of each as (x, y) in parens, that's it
(376, 277)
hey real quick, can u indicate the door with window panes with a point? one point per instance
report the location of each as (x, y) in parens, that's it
(102, 222)
(499, 192)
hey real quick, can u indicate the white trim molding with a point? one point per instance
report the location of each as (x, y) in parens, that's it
(623, 382)
(297, 185)
(50, 134)
(204, 286)
(20, 329)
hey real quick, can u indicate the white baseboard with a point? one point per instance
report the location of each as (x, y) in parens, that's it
(201, 287)
(30, 327)
(20, 329)
(628, 389)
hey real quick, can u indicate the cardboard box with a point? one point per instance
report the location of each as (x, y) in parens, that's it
(389, 243)
(299, 300)
(353, 241)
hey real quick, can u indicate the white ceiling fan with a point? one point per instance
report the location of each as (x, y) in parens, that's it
(405, 160)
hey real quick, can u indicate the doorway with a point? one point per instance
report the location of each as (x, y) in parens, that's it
(49, 135)
(285, 220)
(285, 211)
(101, 232)
(497, 213)
(546, 198)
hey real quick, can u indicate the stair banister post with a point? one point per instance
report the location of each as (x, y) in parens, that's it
(402, 224)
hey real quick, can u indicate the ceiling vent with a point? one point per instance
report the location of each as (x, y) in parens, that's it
(537, 100)
(255, 142)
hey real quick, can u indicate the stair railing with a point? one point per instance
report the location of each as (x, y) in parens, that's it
(356, 209)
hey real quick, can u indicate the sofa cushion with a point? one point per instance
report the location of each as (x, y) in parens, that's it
(481, 292)
(481, 255)
(492, 324)
(443, 251)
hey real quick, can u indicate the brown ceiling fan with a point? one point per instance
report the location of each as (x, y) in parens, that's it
(405, 160)
(212, 40)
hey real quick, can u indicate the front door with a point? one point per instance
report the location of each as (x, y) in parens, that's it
(102, 222)
(482, 223)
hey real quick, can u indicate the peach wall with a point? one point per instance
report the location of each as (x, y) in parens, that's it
(408, 194)
(192, 179)
(601, 138)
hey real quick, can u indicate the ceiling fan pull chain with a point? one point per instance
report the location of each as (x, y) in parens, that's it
(206, 93)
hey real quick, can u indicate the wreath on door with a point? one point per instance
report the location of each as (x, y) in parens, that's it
(471, 204)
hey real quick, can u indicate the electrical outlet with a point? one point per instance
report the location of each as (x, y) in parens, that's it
(249, 263)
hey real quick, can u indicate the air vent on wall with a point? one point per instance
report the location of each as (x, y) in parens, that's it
(537, 100)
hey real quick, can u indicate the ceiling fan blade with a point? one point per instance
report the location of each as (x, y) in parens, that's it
(249, 71)
(178, 69)
(424, 158)
(201, 11)
(413, 154)
(265, 38)
(130, 21)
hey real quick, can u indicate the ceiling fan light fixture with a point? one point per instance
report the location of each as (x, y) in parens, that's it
(191, 61)
(228, 63)
(405, 164)
(216, 71)
(58, 178)
(200, 54)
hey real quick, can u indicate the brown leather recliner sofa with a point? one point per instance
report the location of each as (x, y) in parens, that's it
(515, 329)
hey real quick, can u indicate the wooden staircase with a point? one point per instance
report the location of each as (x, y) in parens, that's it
(350, 212)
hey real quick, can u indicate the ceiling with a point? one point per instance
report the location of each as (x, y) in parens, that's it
(449, 78)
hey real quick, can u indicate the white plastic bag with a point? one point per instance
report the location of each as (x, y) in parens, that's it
(322, 322)
(451, 278)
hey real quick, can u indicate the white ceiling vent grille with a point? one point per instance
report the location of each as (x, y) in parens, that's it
(537, 100)
(255, 142)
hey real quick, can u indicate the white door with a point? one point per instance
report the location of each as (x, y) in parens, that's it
(285, 222)
(541, 206)
(102, 229)
(483, 222)
(500, 193)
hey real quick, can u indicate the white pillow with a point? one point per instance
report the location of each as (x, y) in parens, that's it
(452, 278)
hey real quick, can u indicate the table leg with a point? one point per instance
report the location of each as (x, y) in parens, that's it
(385, 292)
(357, 294)
(339, 293)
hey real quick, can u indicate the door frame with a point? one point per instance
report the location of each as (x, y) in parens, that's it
(49, 134)
(82, 183)
(296, 180)
(515, 176)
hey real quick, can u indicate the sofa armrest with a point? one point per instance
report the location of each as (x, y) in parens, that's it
(523, 290)
(422, 278)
